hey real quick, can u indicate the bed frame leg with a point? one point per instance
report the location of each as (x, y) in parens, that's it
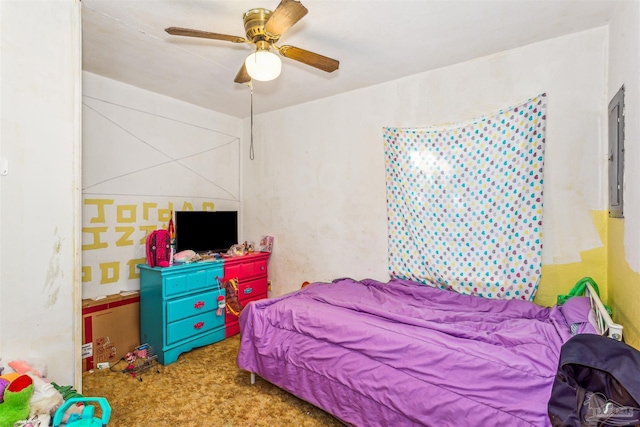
(253, 378)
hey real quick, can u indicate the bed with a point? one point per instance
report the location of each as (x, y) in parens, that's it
(401, 353)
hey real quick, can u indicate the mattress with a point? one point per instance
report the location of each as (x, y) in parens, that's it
(401, 353)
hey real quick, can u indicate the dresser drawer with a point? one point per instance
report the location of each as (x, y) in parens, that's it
(179, 306)
(175, 285)
(251, 289)
(190, 306)
(193, 326)
(192, 281)
(260, 268)
(244, 268)
(253, 269)
(232, 272)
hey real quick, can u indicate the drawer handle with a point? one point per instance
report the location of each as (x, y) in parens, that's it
(198, 325)
(247, 291)
(262, 267)
(199, 304)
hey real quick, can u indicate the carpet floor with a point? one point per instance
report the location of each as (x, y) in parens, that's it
(204, 387)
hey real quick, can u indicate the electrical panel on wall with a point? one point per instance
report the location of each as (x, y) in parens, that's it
(616, 154)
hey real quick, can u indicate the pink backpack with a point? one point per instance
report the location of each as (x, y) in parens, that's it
(158, 248)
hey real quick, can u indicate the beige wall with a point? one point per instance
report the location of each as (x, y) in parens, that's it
(144, 156)
(40, 196)
(318, 181)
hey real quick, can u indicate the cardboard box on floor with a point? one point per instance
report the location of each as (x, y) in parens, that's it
(110, 328)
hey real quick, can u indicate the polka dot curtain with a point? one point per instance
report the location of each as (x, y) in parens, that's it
(465, 203)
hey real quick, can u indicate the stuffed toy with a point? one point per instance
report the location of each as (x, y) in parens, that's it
(45, 400)
(16, 401)
(4, 383)
(35, 366)
(183, 257)
(5, 380)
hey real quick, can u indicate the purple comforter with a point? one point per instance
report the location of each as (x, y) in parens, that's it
(401, 353)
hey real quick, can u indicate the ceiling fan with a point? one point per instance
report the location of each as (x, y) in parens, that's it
(263, 29)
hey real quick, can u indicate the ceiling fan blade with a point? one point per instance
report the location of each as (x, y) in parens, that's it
(315, 60)
(242, 76)
(177, 31)
(284, 17)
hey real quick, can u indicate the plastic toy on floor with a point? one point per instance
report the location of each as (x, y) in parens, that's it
(87, 418)
(140, 360)
(68, 392)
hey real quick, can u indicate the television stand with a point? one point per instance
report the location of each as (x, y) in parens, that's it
(179, 304)
(179, 307)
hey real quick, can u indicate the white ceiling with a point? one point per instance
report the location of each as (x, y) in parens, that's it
(375, 42)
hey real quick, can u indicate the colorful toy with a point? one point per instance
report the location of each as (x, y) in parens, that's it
(140, 360)
(130, 358)
(5, 380)
(4, 383)
(16, 401)
(233, 306)
(87, 418)
(33, 421)
(45, 400)
(35, 366)
(66, 391)
(221, 305)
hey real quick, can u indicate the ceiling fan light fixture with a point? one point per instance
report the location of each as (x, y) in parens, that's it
(263, 29)
(263, 65)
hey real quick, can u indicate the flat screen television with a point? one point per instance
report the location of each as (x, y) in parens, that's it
(206, 231)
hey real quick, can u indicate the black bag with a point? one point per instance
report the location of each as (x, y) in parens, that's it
(597, 384)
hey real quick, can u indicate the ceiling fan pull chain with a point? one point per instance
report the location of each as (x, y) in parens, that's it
(251, 152)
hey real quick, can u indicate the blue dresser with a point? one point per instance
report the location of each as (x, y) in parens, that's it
(179, 308)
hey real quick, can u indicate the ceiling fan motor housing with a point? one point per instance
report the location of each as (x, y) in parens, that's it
(254, 21)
